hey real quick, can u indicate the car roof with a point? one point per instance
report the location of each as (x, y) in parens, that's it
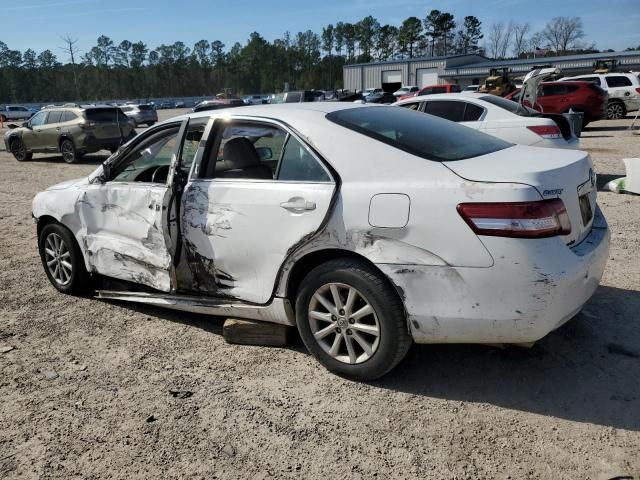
(447, 96)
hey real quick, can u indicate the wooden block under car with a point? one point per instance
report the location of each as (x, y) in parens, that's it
(250, 332)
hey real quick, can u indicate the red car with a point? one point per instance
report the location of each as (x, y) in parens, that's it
(559, 97)
(446, 88)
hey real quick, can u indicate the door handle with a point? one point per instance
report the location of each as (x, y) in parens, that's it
(298, 204)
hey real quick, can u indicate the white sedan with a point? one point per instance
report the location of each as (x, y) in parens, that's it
(367, 227)
(498, 116)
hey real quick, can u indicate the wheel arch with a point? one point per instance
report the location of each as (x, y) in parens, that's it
(63, 137)
(290, 283)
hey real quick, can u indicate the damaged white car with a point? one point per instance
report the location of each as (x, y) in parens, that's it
(366, 226)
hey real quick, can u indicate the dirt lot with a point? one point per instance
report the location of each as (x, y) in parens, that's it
(86, 391)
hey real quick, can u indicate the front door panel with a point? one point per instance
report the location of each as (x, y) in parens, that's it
(237, 234)
(124, 232)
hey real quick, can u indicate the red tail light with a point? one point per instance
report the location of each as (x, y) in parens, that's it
(88, 125)
(546, 218)
(638, 89)
(546, 131)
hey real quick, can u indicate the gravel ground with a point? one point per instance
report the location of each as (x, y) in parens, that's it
(93, 389)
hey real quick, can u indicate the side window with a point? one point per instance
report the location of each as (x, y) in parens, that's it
(149, 161)
(39, 119)
(595, 80)
(447, 109)
(54, 117)
(427, 91)
(68, 116)
(439, 90)
(618, 81)
(299, 165)
(411, 106)
(246, 151)
(472, 113)
(550, 90)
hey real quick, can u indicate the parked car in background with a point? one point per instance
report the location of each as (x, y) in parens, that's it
(406, 90)
(623, 90)
(71, 131)
(499, 117)
(218, 103)
(179, 104)
(140, 114)
(166, 105)
(15, 112)
(471, 88)
(254, 99)
(392, 226)
(432, 89)
(380, 97)
(560, 97)
(368, 91)
(296, 96)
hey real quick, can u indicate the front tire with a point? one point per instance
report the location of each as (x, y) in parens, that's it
(68, 151)
(19, 150)
(352, 320)
(62, 259)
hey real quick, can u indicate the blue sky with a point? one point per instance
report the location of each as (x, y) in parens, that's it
(38, 24)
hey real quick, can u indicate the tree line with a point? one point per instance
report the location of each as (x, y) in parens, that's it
(111, 70)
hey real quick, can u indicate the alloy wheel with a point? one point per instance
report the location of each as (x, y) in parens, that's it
(58, 259)
(68, 153)
(18, 150)
(615, 111)
(344, 323)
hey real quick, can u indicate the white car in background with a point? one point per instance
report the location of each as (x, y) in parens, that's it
(499, 117)
(366, 227)
(623, 90)
(472, 88)
(408, 90)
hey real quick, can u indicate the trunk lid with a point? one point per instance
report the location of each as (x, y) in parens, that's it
(554, 173)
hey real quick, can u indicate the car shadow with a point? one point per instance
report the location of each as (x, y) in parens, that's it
(586, 371)
(617, 128)
(603, 179)
(89, 159)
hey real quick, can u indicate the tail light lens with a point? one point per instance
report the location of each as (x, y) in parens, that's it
(546, 218)
(638, 89)
(88, 125)
(546, 131)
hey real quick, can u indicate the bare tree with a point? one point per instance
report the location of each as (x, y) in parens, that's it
(72, 51)
(520, 32)
(499, 39)
(563, 33)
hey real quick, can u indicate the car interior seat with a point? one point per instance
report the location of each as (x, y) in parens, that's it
(241, 160)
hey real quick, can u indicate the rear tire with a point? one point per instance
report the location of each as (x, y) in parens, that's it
(68, 151)
(19, 150)
(62, 260)
(352, 320)
(616, 110)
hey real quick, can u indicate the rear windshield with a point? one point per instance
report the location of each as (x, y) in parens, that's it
(105, 115)
(417, 133)
(145, 107)
(509, 105)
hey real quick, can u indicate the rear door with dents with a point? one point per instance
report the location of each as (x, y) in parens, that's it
(126, 217)
(249, 205)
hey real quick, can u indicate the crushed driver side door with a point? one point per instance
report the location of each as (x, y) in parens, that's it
(127, 217)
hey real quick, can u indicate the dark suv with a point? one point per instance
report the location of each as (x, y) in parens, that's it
(71, 131)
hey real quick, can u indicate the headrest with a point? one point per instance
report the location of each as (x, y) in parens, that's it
(239, 153)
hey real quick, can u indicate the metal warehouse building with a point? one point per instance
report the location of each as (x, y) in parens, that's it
(469, 69)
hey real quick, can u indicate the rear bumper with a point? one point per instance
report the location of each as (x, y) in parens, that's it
(572, 143)
(92, 144)
(533, 287)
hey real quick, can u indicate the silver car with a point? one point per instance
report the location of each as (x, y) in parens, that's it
(14, 112)
(140, 114)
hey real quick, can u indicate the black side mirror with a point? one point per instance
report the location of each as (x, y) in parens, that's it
(26, 125)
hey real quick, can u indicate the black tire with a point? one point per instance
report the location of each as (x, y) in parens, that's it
(393, 339)
(68, 151)
(78, 278)
(616, 110)
(19, 150)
